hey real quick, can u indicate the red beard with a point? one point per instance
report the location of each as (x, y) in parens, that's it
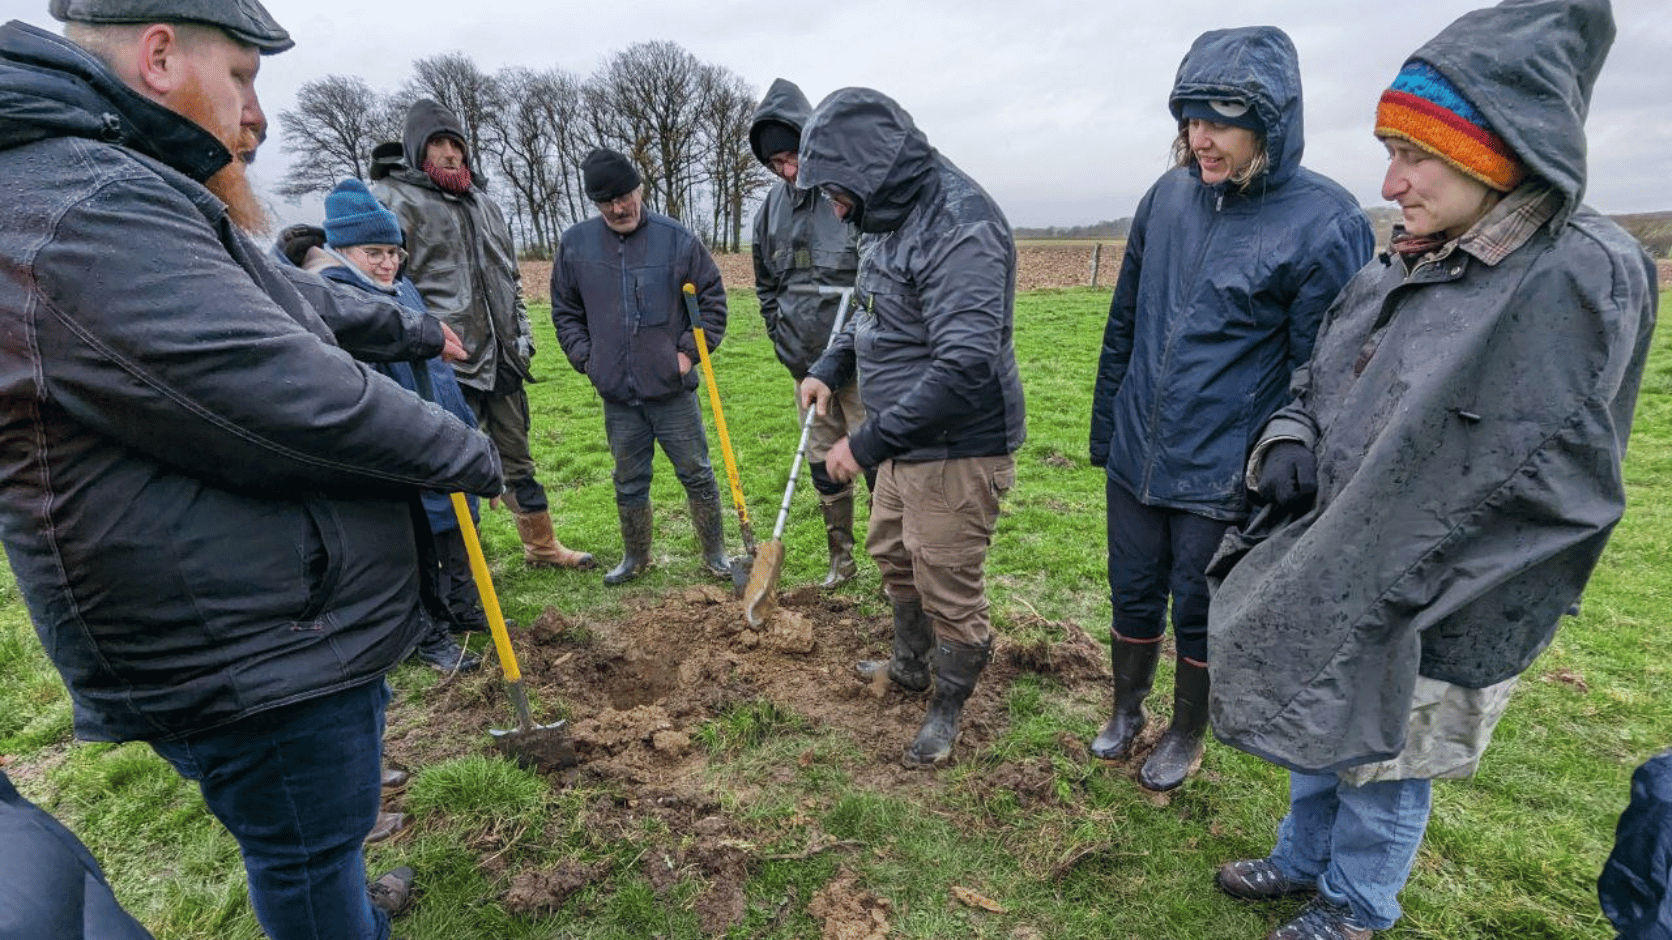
(231, 184)
(456, 181)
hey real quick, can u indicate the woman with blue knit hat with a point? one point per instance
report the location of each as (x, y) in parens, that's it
(362, 248)
(1233, 257)
(1447, 471)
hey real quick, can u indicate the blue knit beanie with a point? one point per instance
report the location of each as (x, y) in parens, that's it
(353, 216)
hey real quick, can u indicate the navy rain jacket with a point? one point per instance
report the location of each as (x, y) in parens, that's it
(1220, 293)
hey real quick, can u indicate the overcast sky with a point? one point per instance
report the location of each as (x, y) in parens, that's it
(1058, 107)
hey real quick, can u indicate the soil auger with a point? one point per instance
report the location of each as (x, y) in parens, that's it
(760, 597)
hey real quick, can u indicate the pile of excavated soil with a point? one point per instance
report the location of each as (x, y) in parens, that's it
(640, 685)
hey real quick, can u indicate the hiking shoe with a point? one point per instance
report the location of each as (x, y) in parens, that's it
(442, 653)
(1322, 920)
(387, 825)
(1257, 879)
(391, 893)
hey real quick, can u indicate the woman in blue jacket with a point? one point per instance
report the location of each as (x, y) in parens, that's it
(362, 249)
(1233, 257)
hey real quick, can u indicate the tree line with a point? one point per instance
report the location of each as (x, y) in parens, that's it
(683, 122)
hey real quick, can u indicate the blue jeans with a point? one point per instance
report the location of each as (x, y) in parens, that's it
(676, 424)
(50, 885)
(1155, 552)
(1357, 844)
(299, 787)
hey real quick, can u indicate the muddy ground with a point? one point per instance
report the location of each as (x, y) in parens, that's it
(642, 685)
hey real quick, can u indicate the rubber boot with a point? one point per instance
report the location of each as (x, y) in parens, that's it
(1133, 663)
(1181, 745)
(909, 669)
(541, 549)
(838, 534)
(635, 543)
(711, 537)
(957, 668)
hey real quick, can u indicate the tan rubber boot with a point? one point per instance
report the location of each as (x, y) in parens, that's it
(541, 549)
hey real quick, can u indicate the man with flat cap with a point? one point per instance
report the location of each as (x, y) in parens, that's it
(207, 502)
(464, 263)
(617, 306)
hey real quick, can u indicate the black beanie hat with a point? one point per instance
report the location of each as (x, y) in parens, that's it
(608, 175)
(776, 137)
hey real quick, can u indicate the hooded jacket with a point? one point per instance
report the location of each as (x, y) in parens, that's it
(461, 256)
(206, 502)
(1469, 420)
(932, 340)
(1220, 293)
(799, 246)
(619, 310)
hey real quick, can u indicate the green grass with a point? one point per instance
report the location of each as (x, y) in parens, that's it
(1513, 852)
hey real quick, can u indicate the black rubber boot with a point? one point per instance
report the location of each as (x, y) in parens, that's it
(838, 534)
(441, 652)
(1134, 667)
(635, 544)
(1181, 745)
(957, 668)
(711, 536)
(909, 669)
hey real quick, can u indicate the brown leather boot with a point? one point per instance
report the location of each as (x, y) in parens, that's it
(838, 534)
(541, 549)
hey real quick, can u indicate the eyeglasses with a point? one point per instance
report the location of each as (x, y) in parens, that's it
(380, 255)
(619, 202)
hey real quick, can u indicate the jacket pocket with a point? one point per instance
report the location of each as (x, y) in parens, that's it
(655, 295)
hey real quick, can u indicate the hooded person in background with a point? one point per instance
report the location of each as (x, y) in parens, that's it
(619, 310)
(208, 504)
(800, 246)
(464, 264)
(1449, 468)
(360, 247)
(1233, 257)
(931, 347)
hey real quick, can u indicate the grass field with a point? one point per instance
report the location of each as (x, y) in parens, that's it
(1079, 853)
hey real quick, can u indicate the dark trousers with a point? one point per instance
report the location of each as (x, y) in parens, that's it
(299, 787)
(676, 424)
(504, 418)
(1155, 553)
(51, 888)
(457, 585)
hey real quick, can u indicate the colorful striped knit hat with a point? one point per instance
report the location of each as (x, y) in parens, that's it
(1427, 110)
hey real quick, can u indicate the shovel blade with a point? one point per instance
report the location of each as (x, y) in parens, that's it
(760, 597)
(541, 748)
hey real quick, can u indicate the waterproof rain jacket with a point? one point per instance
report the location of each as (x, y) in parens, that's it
(799, 246)
(208, 505)
(461, 256)
(1220, 293)
(1469, 422)
(618, 307)
(932, 341)
(1635, 887)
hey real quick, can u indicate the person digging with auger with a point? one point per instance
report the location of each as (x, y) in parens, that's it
(800, 246)
(931, 347)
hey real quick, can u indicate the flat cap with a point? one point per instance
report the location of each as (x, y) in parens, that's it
(244, 20)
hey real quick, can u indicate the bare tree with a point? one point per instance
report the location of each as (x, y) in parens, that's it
(330, 133)
(530, 128)
(649, 99)
(732, 173)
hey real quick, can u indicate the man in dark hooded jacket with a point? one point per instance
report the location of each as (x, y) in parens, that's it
(801, 246)
(1448, 470)
(931, 347)
(209, 506)
(464, 264)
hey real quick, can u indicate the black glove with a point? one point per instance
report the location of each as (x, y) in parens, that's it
(1288, 476)
(295, 241)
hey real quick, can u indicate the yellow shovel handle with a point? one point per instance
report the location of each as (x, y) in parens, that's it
(484, 587)
(720, 426)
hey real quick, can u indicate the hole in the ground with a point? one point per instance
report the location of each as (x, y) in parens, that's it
(631, 683)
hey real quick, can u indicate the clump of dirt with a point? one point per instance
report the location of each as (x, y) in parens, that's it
(544, 891)
(639, 688)
(847, 912)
